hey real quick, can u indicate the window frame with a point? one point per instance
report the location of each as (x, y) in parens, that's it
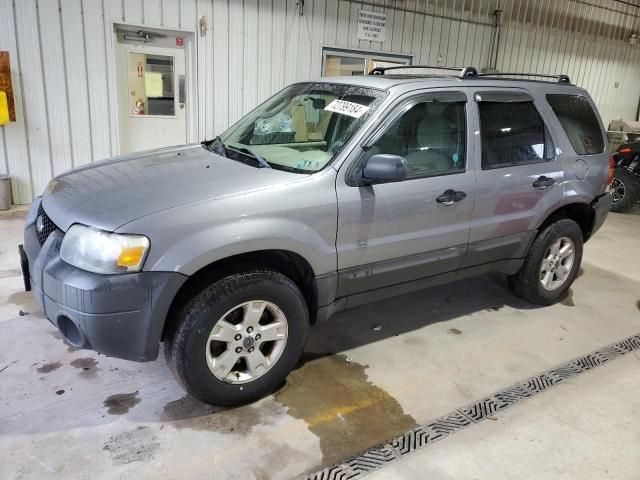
(400, 109)
(507, 97)
(595, 115)
(366, 55)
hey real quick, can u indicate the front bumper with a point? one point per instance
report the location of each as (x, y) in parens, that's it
(119, 315)
(601, 206)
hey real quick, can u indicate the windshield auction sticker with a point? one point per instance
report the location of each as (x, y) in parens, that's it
(354, 110)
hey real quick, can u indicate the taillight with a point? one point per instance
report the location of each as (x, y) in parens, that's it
(625, 150)
(611, 166)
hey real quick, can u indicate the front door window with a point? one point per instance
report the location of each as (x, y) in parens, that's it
(431, 135)
(151, 84)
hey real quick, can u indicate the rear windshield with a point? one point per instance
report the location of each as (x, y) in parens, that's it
(579, 122)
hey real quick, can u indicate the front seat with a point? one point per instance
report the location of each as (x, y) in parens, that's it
(431, 136)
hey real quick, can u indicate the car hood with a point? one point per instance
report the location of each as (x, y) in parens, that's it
(111, 193)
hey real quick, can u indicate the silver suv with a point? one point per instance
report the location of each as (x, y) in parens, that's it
(329, 195)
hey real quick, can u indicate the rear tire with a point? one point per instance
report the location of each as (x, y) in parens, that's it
(220, 350)
(625, 190)
(547, 274)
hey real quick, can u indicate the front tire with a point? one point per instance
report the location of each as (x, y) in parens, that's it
(625, 190)
(237, 340)
(551, 265)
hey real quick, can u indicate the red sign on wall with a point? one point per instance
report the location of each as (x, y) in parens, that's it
(179, 41)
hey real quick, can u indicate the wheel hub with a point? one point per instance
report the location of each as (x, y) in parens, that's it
(246, 341)
(557, 263)
(618, 190)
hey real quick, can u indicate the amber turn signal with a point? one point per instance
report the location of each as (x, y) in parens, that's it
(130, 257)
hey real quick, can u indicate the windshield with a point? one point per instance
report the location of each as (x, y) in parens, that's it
(303, 127)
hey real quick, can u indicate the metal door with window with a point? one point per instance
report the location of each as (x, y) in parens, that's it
(151, 97)
(519, 174)
(398, 232)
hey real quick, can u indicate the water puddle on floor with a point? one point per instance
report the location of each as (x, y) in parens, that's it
(121, 403)
(49, 367)
(340, 406)
(87, 366)
(331, 394)
(190, 413)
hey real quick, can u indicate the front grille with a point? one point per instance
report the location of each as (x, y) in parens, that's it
(44, 226)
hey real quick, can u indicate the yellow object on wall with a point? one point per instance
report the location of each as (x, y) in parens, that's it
(4, 109)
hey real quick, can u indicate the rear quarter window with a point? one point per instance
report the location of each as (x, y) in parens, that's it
(579, 122)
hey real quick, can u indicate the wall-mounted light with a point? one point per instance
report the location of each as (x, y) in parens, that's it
(204, 25)
(633, 39)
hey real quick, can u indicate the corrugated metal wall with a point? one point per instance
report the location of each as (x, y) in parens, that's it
(65, 91)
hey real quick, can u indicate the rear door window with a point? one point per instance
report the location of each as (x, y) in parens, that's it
(512, 133)
(579, 122)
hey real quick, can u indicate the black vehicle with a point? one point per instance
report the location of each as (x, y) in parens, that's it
(625, 188)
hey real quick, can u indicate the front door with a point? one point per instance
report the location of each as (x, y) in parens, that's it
(151, 96)
(394, 233)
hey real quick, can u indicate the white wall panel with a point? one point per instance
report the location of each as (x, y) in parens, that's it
(264, 50)
(188, 16)
(170, 13)
(226, 65)
(76, 81)
(152, 12)
(236, 69)
(278, 54)
(56, 93)
(206, 65)
(14, 135)
(28, 40)
(113, 13)
(133, 11)
(99, 98)
(250, 55)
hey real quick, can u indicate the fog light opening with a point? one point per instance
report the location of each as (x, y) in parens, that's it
(70, 331)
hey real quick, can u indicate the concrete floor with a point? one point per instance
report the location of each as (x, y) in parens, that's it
(369, 374)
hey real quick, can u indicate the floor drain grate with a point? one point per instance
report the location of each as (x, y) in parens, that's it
(421, 437)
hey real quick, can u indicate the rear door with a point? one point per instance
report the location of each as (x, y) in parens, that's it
(520, 176)
(394, 233)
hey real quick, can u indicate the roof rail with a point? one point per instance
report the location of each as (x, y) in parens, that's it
(463, 72)
(561, 78)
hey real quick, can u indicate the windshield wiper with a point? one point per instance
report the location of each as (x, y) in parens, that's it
(263, 163)
(216, 146)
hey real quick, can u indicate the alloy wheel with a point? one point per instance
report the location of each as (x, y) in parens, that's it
(557, 263)
(246, 341)
(617, 190)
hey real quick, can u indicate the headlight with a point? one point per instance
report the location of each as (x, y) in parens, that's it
(103, 252)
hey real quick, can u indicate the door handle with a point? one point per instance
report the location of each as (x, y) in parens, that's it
(543, 182)
(450, 196)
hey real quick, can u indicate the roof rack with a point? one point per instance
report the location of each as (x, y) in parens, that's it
(464, 72)
(472, 72)
(561, 78)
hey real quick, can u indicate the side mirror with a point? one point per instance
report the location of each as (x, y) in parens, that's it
(384, 168)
